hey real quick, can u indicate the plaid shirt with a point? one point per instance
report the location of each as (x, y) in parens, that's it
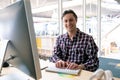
(81, 50)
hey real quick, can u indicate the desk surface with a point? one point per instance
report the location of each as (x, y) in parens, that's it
(84, 75)
(12, 73)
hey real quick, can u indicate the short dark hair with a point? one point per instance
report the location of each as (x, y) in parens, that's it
(69, 11)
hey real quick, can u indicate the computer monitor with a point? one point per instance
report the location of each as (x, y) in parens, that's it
(16, 25)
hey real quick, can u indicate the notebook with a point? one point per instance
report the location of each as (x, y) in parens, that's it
(52, 68)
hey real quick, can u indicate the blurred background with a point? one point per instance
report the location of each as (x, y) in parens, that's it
(99, 18)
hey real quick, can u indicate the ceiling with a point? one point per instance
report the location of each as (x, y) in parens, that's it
(46, 8)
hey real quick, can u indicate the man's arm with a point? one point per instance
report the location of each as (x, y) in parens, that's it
(56, 52)
(92, 62)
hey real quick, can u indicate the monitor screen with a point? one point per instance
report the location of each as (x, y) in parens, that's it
(16, 25)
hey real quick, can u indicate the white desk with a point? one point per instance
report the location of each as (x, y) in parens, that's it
(12, 73)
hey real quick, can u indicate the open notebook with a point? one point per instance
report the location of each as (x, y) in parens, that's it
(52, 68)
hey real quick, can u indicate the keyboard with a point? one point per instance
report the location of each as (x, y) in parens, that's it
(53, 68)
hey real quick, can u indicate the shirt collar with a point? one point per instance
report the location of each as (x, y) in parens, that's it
(76, 35)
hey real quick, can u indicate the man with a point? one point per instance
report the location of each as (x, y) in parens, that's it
(75, 49)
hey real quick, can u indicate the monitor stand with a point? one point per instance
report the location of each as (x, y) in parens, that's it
(3, 47)
(12, 71)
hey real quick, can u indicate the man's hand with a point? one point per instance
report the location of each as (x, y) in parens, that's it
(75, 66)
(61, 64)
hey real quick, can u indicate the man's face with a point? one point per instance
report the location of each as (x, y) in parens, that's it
(69, 22)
